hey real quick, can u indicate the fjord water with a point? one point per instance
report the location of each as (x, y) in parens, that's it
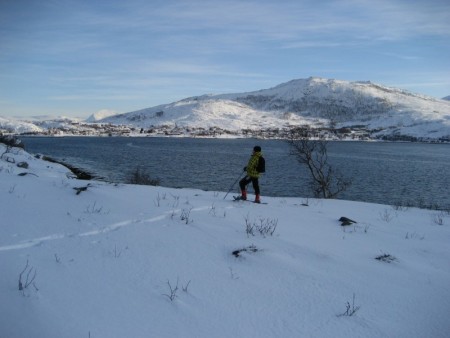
(381, 172)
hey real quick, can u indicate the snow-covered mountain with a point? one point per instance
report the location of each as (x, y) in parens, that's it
(18, 126)
(381, 112)
(314, 101)
(43, 125)
(36, 124)
(446, 98)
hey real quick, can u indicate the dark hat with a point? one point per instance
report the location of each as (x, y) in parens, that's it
(257, 148)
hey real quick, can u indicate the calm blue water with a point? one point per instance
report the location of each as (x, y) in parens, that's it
(388, 173)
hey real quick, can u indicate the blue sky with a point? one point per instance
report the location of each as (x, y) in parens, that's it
(76, 57)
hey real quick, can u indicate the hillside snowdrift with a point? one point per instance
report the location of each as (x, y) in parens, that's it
(114, 260)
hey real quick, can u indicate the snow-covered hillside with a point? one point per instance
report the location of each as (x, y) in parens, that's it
(100, 260)
(314, 101)
(17, 126)
(369, 109)
(206, 112)
(37, 124)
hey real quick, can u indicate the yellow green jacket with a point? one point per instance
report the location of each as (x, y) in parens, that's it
(252, 164)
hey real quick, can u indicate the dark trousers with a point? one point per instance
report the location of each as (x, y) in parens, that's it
(246, 180)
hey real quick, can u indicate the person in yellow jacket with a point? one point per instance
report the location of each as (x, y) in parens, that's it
(252, 175)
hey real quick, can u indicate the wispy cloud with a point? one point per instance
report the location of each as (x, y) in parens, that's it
(194, 27)
(177, 47)
(402, 56)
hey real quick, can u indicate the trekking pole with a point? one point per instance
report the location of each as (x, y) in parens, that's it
(231, 188)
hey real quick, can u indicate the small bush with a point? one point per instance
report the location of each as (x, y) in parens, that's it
(439, 218)
(350, 308)
(26, 278)
(186, 216)
(12, 141)
(172, 291)
(141, 177)
(387, 258)
(264, 226)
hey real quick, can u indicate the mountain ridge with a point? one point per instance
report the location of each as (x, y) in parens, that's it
(313, 103)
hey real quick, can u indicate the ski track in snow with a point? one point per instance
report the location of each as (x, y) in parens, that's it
(109, 228)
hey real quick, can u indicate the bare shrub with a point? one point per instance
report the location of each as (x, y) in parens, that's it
(94, 209)
(326, 181)
(140, 176)
(172, 291)
(439, 218)
(185, 287)
(233, 275)
(263, 226)
(11, 142)
(25, 282)
(414, 235)
(350, 308)
(176, 201)
(386, 216)
(186, 215)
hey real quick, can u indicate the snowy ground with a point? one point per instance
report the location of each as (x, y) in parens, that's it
(108, 262)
